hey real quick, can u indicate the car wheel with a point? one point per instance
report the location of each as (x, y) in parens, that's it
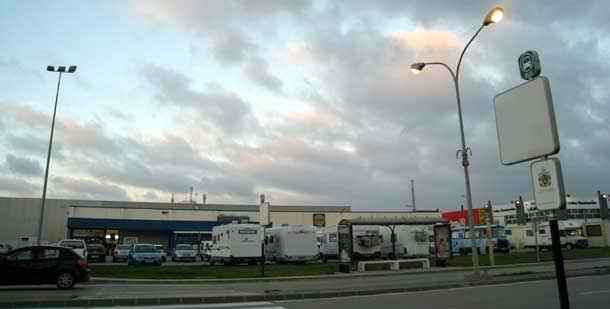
(569, 247)
(65, 281)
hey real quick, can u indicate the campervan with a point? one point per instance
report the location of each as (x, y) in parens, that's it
(570, 235)
(367, 241)
(328, 243)
(236, 243)
(291, 243)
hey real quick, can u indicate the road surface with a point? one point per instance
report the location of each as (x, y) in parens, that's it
(585, 292)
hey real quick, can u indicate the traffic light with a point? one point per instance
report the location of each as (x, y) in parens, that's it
(603, 205)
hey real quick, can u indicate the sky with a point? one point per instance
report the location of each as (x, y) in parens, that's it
(308, 102)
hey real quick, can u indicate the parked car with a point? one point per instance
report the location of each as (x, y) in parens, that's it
(43, 265)
(96, 252)
(184, 252)
(142, 254)
(163, 253)
(5, 248)
(121, 253)
(78, 245)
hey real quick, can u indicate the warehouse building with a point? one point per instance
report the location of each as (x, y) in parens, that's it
(112, 222)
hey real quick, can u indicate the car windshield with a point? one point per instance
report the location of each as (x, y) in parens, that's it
(184, 247)
(95, 246)
(145, 248)
(124, 247)
(72, 244)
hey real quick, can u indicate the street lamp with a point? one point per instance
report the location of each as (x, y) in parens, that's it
(495, 15)
(60, 70)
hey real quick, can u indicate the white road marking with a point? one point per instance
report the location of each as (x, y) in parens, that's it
(594, 292)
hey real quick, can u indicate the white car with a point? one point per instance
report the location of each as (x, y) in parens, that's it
(184, 252)
(78, 245)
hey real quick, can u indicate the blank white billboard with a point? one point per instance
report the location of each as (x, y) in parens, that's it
(525, 121)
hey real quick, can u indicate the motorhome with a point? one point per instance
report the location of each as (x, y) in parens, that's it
(328, 243)
(236, 243)
(411, 241)
(570, 235)
(291, 243)
(367, 240)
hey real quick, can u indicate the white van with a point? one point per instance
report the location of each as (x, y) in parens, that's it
(329, 249)
(291, 243)
(570, 235)
(236, 243)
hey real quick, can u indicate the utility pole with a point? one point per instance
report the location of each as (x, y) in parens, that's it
(413, 194)
(490, 244)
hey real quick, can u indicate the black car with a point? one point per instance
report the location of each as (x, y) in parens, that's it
(43, 265)
(96, 253)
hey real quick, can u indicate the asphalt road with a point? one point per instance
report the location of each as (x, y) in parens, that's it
(585, 292)
(108, 291)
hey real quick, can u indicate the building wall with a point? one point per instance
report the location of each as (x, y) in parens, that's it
(156, 214)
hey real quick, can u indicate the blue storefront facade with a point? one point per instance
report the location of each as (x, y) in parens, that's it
(167, 233)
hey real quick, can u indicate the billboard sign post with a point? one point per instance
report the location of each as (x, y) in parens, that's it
(527, 130)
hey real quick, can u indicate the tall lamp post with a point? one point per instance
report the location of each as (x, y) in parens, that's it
(494, 16)
(60, 70)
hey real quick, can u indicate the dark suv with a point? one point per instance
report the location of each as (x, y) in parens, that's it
(43, 265)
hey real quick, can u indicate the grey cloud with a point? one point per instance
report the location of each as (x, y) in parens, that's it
(23, 166)
(88, 189)
(13, 186)
(257, 71)
(226, 110)
(231, 48)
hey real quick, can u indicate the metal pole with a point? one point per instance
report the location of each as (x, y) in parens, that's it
(413, 194)
(562, 286)
(536, 239)
(490, 245)
(46, 173)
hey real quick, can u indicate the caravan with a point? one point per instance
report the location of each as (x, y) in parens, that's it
(236, 243)
(367, 241)
(291, 243)
(328, 243)
(570, 233)
(411, 241)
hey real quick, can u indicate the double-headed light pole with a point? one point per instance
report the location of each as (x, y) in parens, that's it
(494, 16)
(60, 70)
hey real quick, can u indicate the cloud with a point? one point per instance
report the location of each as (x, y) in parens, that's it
(225, 110)
(23, 166)
(15, 186)
(88, 189)
(257, 71)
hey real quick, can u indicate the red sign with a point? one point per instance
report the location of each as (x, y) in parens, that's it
(460, 216)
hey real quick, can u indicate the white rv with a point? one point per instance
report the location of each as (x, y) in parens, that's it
(570, 235)
(291, 243)
(236, 243)
(328, 243)
(367, 241)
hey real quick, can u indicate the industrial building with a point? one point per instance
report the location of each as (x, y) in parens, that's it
(112, 222)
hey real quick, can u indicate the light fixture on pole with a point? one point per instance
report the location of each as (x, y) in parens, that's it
(60, 70)
(495, 15)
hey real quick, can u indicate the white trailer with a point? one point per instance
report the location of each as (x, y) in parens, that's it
(411, 241)
(367, 241)
(291, 243)
(570, 235)
(328, 243)
(236, 243)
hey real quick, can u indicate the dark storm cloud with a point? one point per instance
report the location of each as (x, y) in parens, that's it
(23, 166)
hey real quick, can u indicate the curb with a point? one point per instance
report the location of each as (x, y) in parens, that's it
(285, 296)
(106, 280)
